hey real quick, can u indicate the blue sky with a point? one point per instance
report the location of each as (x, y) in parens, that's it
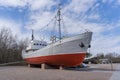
(102, 17)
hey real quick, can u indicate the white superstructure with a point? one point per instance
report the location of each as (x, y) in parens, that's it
(35, 45)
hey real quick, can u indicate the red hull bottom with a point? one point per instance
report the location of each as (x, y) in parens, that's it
(66, 60)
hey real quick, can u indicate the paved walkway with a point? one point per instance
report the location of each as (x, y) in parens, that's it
(25, 73)
(116, 74)
(100, 72)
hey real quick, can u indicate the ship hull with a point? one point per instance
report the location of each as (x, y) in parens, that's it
(67, 52)
(65, 60)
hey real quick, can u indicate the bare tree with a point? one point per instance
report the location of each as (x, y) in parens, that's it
(10, 47)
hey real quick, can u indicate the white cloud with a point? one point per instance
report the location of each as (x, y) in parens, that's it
(40, 20)
(41, 4)
(34, 4)
(11, 25)
(104, 1)
(14, 27)
(79, 26)
(94, 16)
(36, 20)
(118, 1)
(108, 1)
(13, 3)
(105, 44)
(77, 7)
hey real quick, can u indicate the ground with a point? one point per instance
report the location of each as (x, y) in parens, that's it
(94, 72)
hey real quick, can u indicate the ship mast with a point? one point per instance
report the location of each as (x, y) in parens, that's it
(32, 34)
(59, 19)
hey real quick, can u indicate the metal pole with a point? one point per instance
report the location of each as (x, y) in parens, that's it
(32, 35)
(111, 65)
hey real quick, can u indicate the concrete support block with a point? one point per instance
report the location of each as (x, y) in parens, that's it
(43, 66)
(46, 66)
(61, 68)
(29, 65)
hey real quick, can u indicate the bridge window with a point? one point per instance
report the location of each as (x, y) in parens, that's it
(35, 44)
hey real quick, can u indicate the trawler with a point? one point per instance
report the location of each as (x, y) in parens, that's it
(66, 51)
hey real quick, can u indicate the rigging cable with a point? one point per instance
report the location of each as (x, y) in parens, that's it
(54, 25)
(65, 29)
(44, 27)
